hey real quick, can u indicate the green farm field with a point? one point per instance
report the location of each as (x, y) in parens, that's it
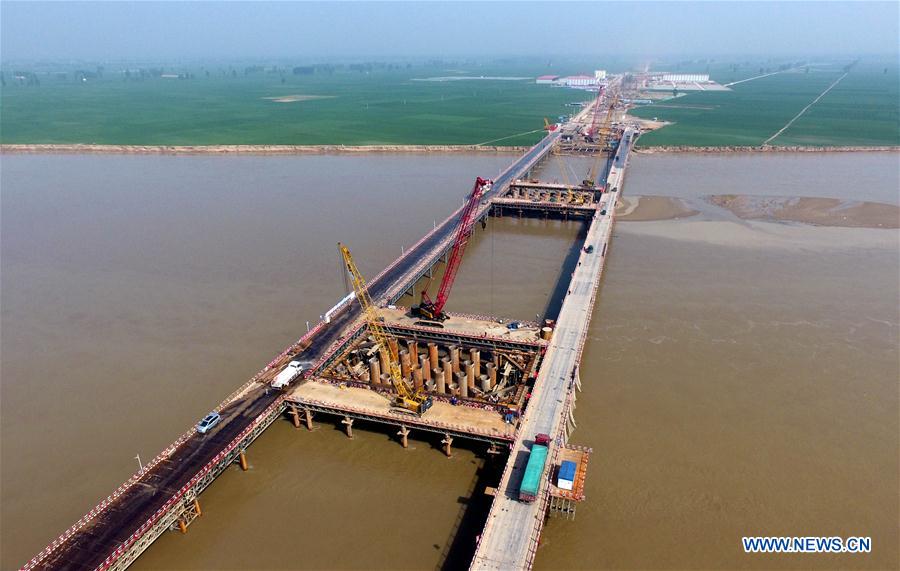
(382, 107)
(862, 110)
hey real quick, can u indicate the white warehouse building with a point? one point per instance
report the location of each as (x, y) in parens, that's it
(686, 77)
(579, 81)
(599, 74)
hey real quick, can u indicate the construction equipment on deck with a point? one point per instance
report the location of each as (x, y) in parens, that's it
(548, 126)
(434, 310)
(563, 171)
(592, 130)
(604, 134)
(415, 401)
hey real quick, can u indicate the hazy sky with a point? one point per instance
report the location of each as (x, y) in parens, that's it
(189, 30)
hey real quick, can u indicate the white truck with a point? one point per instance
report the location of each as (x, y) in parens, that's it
(288, 374)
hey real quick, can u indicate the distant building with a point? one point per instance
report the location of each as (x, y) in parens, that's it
(545, 79)
(600, 74)
(686, 77)
(579, 81)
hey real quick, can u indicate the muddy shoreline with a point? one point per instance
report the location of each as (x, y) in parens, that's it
(649, 208)
(249, 149)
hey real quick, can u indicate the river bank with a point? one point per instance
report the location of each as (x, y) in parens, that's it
(761, 149)
(52, 149)
(250, 149)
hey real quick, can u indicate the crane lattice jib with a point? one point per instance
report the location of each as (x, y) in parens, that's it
(373, 321)
(595, 116)
(605, 132)
(463, 231)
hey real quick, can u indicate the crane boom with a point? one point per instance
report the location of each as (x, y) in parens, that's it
(604, 133)
(595, 116)
(416, 401)
(435, 309)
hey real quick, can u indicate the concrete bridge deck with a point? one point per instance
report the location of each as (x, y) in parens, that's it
(510, 537)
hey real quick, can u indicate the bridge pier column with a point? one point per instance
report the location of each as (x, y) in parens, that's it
(182, 526)
(492, 450)
(348, 422)
(242, 457)
(197, 507)
(309, 424)
(404, 436)
(295, 416)
(447, 442)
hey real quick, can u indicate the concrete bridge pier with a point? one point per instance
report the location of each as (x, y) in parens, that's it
(404, 436)
(242, 458)
(295, 416)
(348, 422)
(447, 442)
(309, 423)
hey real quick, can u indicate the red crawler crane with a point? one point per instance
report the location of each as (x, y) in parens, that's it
(434, 310)
(595, 121)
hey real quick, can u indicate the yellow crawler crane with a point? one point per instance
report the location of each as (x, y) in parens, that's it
(415, 401)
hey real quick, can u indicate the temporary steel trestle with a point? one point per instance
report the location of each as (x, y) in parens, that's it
(184, 507)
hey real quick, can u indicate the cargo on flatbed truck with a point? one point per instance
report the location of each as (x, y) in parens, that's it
(288, 374)
(534, 471)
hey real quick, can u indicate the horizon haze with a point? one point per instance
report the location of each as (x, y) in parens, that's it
(185, 31)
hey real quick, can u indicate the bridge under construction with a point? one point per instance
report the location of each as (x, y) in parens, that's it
(483, 378)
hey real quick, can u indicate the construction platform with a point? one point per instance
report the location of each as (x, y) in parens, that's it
(540, 209)
(472, 360)
(353, 402)
(563, 502)
(477, 369)
(545, 199)
(536, 190)
(492, 329)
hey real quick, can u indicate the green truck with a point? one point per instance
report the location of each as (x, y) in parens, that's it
(534, 471)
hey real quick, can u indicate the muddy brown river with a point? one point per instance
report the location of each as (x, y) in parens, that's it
(741, 377)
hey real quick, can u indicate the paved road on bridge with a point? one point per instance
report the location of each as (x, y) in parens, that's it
(510, 537)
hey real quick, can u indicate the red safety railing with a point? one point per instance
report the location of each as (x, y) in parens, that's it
(184, 489)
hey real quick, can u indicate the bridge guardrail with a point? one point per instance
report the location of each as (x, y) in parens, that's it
(279, 402)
